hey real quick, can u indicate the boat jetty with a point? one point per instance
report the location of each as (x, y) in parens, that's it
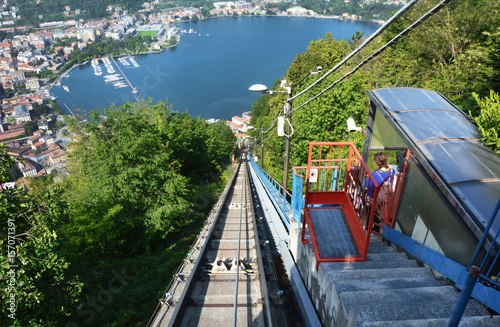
(124, 61)
(97, 68)
(134, 90)
(112, 78)
(132, 60)
(108, 65)
(120, 85)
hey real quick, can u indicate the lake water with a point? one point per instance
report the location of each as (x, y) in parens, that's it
(210, 71)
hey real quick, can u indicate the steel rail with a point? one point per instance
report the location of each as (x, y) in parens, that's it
(204, 300)
(235, 310)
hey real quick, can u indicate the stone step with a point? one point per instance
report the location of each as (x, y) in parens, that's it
(327, 266)
(401, 304)
(388, 289)
(386, 256)
(409, 295)
(477, 321)
(374, 274)
(417, 311)
(386, 284)
(377, 279)
(380, 247)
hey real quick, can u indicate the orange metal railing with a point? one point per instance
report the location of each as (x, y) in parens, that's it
(338, 177)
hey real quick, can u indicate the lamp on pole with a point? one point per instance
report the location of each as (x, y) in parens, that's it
(263, 89)
(262, 149)
(288, 108)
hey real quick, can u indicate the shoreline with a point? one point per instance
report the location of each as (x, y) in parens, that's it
(380, 22)
(63, 75)
(58, 80)
(182, 32)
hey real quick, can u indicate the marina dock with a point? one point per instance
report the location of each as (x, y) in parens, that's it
(134, 90)
(69, 109)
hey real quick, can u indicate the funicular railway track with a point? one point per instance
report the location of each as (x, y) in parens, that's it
(219, 291)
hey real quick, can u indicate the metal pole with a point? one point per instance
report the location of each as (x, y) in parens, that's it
(470, 282)
(288, 107)
(262, 150)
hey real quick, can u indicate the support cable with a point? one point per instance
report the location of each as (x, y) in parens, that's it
(274, 123)
(267, 138)
(376, 53)
(364, 44)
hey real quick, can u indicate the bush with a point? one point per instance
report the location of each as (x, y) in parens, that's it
(488, 121)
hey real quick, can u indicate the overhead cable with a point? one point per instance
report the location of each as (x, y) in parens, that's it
(379, 51)
(264, 132)
(364, 44)
(266, 138)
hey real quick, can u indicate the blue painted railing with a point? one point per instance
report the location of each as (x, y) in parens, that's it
(297, 193)
(487, 291)
(278, 195)
(326, 182)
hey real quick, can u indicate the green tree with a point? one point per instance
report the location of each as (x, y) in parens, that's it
(33, 273)
(172, 40)
(205, 11)
(30, 127)
(133, 175)
(125, 188)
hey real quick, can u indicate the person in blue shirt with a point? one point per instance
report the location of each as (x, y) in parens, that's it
(380, 174)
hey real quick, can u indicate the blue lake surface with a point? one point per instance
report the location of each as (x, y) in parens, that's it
(210, 71)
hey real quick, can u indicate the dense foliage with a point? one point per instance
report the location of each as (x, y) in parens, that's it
(376, 10)
(34, 12)
(454, 52)
(134, 173)
(34, 275)
(488, 120)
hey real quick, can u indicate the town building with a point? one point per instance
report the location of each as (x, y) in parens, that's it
(32, 83)
(22, 114)
(27, 168)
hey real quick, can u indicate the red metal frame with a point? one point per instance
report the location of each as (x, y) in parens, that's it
(349, 195)
(388, 210)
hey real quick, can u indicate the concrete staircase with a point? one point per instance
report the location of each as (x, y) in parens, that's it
(387, 290)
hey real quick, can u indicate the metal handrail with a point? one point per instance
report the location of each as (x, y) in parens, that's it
(280, 197)
(475, 272)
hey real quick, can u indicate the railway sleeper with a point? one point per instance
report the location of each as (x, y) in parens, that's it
(225, 305)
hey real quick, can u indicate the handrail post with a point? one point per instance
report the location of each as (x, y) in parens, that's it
(485, 234)
(297, 196)
(470, 282)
